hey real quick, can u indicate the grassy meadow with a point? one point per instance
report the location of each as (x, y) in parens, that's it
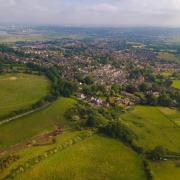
(168, 170)
(39, 122)
(176, 84)
(96, 157)
(93, 158)
(28, 153)
(154, 126)
(19, 91)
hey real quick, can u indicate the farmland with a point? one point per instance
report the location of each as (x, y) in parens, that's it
(168, 57)
(19, 91)
(99, 156)
(79, 103)
(34, 37)
(30, 152)
(176, 84)
(34, 124)
(154, 126)
(12, 39)
(165, 170)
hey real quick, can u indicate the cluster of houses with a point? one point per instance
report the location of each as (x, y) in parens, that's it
(126, 100)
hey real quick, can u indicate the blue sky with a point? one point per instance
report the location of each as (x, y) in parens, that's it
(92, 12)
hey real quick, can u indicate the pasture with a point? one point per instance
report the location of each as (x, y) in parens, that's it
(166, 170)
(154, 126)
(39, 122)
(176, 84)
(19, 91)
(96, 157)
(27, 153)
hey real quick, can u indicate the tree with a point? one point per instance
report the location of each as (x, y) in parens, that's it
(88, 80)
(67, 88)
(151, 99)
(116, 88)
(131, 88)
(144, 87)
(165, 100)
(157, 153)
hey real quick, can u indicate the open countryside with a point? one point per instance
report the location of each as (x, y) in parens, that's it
(154, 126)
(20, 91)
(105, 157)
(91, 100)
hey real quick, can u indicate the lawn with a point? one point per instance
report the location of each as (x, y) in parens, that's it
(167, 170)
(176, 84)
(34, 124)
(94, 158)
(154, 126)
(20, 91)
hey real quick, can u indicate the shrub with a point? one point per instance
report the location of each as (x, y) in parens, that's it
(157, 153)
(116, 129)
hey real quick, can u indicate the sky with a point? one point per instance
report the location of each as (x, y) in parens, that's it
(91, 12)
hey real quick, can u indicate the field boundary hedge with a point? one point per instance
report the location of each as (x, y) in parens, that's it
(37, 159)
(24, 114)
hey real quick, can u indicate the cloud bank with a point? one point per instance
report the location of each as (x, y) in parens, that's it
(91, 12)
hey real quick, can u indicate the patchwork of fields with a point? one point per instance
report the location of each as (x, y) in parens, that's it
(93, 157)
(19, 91)
(96, 157)
(32, 125)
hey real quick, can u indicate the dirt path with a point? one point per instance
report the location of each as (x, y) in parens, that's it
(42, 139)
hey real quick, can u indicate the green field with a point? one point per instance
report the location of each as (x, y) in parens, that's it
(168, 57)
(176, 84)
(19, 91)
(169, 170)
(39, 122)
(166, 73)
(30, 152)
(154, 126)
(37, 37)
(20, 38)
(96, 157)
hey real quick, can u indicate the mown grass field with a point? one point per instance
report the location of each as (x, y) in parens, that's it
(176, 84)
(154, 126)
(94, 158)
(24, 128)
(19, 91)
(169, 170)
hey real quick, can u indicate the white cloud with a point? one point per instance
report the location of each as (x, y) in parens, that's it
(92, 12)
